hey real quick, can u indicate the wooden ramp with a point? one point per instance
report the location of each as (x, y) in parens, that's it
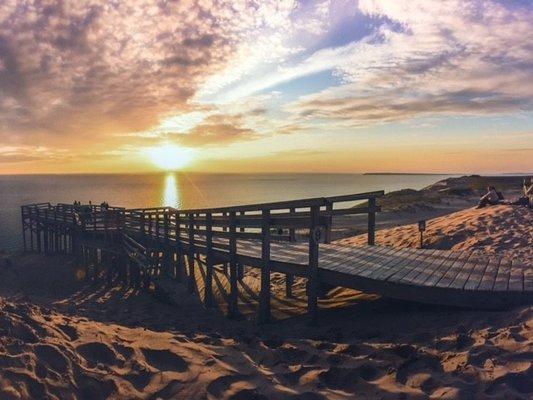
(291, 237)
(443, 277)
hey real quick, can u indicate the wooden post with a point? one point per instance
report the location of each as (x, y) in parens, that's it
(45, 232)
(312, 274)
(179, 250)
(241, 229)
(192, 281)
(232, 306)
(31, 230)
(38, 234)
(264, 296)
(292, 231)
(208, 294)
(329, 219)
(23, 228)
(371, 221)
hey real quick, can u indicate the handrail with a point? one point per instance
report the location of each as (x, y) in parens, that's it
(300, 203)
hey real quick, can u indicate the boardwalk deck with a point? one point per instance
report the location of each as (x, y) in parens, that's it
(264, 236)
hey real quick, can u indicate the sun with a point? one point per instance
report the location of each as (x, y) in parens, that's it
(170, 157)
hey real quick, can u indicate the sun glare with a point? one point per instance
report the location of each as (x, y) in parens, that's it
(170, 157)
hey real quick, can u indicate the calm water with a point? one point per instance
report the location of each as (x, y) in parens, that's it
(181, 190)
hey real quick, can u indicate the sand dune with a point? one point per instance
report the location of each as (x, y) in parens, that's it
(61, 338)
(496, 229)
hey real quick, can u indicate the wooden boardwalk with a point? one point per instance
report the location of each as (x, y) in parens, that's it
(292, 237)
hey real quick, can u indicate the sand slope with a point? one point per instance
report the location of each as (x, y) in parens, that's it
(496, 229)
(61, 338)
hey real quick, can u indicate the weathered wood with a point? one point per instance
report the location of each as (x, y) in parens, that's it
(312, 274)
(292, 231)
(192, 278)
(208, 293)
(264, 295)
(233, 296)
(156, 241)
(371, 221)
(329, 219)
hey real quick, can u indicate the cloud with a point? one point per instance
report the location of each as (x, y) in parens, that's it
(442, 58)
(218, 130)
(21, 154)
(95, 68)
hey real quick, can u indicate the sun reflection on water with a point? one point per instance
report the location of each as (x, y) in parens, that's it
(171, 195)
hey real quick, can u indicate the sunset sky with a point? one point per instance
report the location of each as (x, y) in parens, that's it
(308, 86)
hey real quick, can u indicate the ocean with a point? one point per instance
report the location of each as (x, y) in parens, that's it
(181, 190)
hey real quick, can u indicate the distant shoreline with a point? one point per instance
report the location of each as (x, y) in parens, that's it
(408, 173)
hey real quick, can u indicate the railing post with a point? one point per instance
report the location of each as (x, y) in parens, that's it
(192, 277)
(242, 215)
(208, 294)
(143, 225)
(179, 250)
(38, 232)
(232, 306)
(371, 220)
(45, 232)
(264, 296)
(312, 274)
(292, 231)
(329, 219)
(23, 228)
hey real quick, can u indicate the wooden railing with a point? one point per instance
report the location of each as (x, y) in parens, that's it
(217, 230)
(213, 233)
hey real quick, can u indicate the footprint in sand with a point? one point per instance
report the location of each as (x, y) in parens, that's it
(125, 351)
(52, 356)
(248, 394)
(404, 351)
(220, 385)
(422, 363)
(346, 378)
(522, 382)
(26, 384)
(478, 356)
(70, 331)
(96, 352)
(308, 396)
(293, 378)
(139, 380)
(165, 360)
(90, 388)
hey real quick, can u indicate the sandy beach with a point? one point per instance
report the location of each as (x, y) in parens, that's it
(62, 338)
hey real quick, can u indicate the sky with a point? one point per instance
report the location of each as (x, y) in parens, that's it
(266, 86)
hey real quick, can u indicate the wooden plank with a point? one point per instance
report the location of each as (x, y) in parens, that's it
(390, 257)
(208, 289)
(264, 296)
(424, 262)
(469, 267)
(489, 276)
(501, 282)
(371, 221)
(443, 268)
(192, 278)
(450, 275)
(233, 296)
(528, 279)
(367, 261)
(415, 260)
(374, 260)
(312, 274)
(476, 274)
(516, 277)
(400, 263)
(424, 270)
